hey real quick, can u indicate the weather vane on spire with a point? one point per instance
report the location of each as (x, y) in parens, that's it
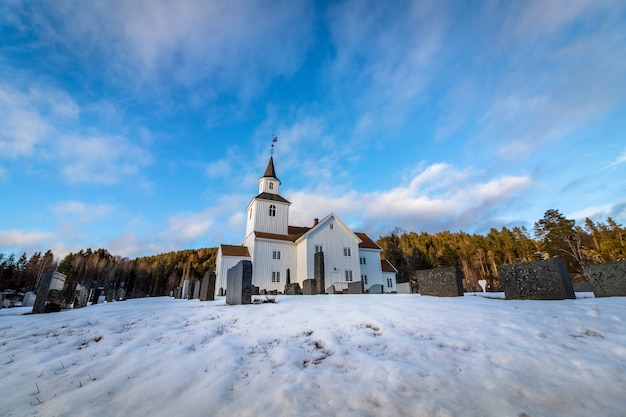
(273, 142)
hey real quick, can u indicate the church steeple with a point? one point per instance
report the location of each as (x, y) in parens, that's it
(269, 183)
(268, 212)
(270, 172)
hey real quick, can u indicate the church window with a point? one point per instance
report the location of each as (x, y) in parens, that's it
(348, 276)
(362, 260)
(332, 226)
(272, 210)
(319, 248)
(271, 185)
(364, 279)
(275, 276)
(276, 254)
(389, 282)
(347, 251)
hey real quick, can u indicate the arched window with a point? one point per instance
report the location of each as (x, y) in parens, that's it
(272, 210)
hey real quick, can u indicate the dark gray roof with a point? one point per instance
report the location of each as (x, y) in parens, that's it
(270, 172)
(272, 197)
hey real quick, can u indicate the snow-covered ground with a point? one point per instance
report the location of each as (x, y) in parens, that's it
(350, 355)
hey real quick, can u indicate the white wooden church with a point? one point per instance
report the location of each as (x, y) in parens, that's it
(281, 253)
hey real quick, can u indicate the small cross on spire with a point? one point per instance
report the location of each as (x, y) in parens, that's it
(273, 142)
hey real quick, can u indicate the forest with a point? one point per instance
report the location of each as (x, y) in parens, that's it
(477, 255)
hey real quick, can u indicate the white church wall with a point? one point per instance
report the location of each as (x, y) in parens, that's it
(262, 221)
(334, 239)
(265, 264)
(371, 267)
(221, 269)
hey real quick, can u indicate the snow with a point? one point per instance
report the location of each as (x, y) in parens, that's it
(349, 355)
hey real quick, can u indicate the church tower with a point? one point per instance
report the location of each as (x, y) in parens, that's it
(268, 212)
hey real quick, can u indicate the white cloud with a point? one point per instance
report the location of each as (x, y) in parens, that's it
(83, 212)
(100, 159)
(465, 202)
(226, 45)
(15, 237)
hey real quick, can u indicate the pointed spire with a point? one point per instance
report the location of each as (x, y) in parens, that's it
(269, 171)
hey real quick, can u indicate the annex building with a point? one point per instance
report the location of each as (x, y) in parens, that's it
(283, 254)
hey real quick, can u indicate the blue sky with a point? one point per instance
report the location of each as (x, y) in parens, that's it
(142, 126)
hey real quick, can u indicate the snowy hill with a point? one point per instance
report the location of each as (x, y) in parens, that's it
(361, 355)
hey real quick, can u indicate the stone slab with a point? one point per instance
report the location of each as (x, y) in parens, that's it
(608, 279)
(355, 287)
(309, 287)
(319, 273)
(292, 289)
(207, 287)
(440, 282)
(539, 280)
(50, 280)
(239, 284)
(376, 289)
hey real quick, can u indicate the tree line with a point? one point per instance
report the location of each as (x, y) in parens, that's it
(478, 255)
(141, 277)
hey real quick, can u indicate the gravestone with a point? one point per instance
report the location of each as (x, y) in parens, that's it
(319, 272)
(207, 287)
(196, 290)
(97, 295)
(355, 287)
(376, 289)
(440, 282)
(29, 299)
(50, 280)
(330, 290)
(239, 284)
(608, 279)
(292, 289)
(539, 280)
(309, 287)
(483, 284)
(184, 294)
(220, 292)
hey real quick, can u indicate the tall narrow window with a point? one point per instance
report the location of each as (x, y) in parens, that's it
(362, 260)
(276, 254)
(332, 226)
(271, 185)
(275, 276)
(319, 248)
(364, 279)
(272, 210)
(389, 282)
(348, 276)
(347, 251)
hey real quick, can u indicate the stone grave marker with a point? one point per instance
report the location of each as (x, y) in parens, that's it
(355, 287)
(376, 289)
(319, 272)
(608, 279)
(50, 280)
(440, 282)
(207, 288)
(239, 284)
(309, 287)
(539, 280)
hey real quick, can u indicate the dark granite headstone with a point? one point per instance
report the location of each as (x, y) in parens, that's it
(355, 287)
(207, 288)
(309, 287)
(539, 280)
(239, 284)
(319, 272)
(376, 289)
(440, 282)
(608, 279)
(50, 280)
(97, 294)
(292, 289)
(220, 292)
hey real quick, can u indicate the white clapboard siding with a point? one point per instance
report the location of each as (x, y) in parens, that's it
(264, 263)
(372, 267)
(259, 218)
